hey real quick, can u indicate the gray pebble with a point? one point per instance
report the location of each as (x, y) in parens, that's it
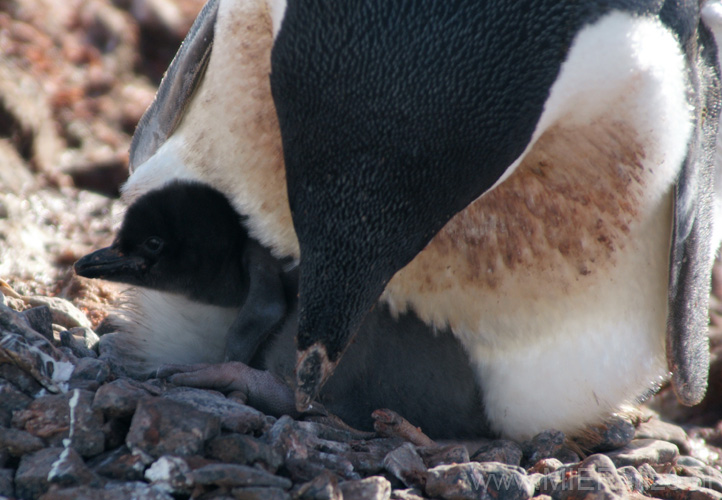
(76, 345)
(615, 433)
(164, 427)
(501, 450)
(595, 477)
(63, 312)
(322, 487)
(119, 464)
(120, 397)
(243, 449)
(646, 451)
(664, 431)
(19, 443)
(41, 320)
(371, 488)
(406, 465)
(50, 418)
(7, 485)
(632, 478)
(61, 466)
(258, 493)
(546, 444)
(231, 475)
(111, 491)
(234, 416)
(443, 455)
(475, 480)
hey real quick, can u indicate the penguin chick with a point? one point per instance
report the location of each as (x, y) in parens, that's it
(186, 239)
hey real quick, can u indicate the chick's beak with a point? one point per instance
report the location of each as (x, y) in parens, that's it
(109, 263)
(313, 368)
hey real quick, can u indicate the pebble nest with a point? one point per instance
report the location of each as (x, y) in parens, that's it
(75, 77)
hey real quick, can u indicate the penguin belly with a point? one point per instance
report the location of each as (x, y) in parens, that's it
(556, 279)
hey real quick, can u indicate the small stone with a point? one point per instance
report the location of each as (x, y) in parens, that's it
(41, 320)
(118, 464)
(659, 454)
(688, 461)
(111, 491)
(232, 475)
(164, 427)
(303, 470)
(87, 336)
(500, 450)
(286, 439)
(7, 487)
(322, 487)
(171, 474)
(19, 443)
(613, 434)
(260, 494)
(371, 488)
(242, 449)
(632, 478)
(336, 463)
(406, 465)
(49, 417)
(443, 455)
(11, 400)
(546, 444)
(20, 379)
(567, 456)
(62, 466)
(76, 345)
(546, 466)
(235, 417)
(63, 312)
(711, 478)
(91, 369)
(119, 398)
(673, 481)
(663, 431)
(475, 480)
(407, 494)
(594, 478)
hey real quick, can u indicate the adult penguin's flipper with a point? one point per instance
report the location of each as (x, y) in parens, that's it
(692, 249)
(176, 89)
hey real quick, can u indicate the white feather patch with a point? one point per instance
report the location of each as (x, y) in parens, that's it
(157, 328)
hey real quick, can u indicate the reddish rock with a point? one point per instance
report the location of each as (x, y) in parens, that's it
(164, 427)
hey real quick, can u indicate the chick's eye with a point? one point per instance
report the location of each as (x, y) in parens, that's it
(153, 244)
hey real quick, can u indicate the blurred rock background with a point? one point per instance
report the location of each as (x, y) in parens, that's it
(75, 78)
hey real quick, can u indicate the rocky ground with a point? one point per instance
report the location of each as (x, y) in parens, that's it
(75, 76)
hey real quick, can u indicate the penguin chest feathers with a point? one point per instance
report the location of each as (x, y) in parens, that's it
(590, 194)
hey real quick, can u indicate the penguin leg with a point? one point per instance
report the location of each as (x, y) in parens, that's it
(264, 309)
(692, 250)
(262, 389)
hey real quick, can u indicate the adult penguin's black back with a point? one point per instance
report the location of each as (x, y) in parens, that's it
(584, 124)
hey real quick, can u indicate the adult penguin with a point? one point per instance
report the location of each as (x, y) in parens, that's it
(536, 175)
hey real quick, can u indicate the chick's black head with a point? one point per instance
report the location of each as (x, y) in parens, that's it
(180, 238)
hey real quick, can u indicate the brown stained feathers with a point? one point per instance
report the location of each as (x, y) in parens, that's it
(562, 214)
(239, 95)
